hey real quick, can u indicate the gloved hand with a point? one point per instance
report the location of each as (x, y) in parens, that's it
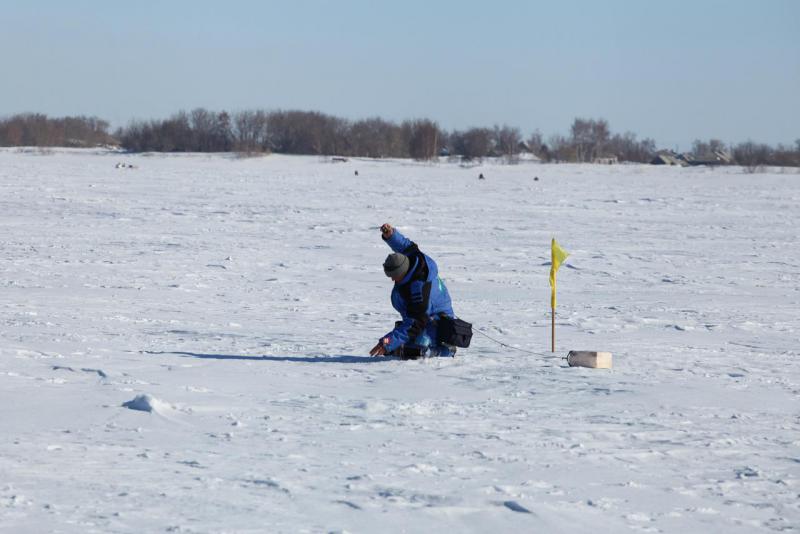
(380, 348)
(386, 230)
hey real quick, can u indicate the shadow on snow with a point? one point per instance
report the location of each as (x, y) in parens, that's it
(299, 359)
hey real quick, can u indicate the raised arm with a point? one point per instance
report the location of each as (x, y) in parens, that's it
(397, 241)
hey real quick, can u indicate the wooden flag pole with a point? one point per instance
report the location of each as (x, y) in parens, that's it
(553, 330)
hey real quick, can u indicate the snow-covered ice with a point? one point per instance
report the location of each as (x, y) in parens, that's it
(233, 302)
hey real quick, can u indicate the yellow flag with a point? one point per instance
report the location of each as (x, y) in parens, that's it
(558, 255)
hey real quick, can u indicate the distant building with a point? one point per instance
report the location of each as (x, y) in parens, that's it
(668, 157)
(524, 153)
(606, 160)
(529, 157)
(717, 157)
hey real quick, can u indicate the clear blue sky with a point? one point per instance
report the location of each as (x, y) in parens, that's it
(673, 71)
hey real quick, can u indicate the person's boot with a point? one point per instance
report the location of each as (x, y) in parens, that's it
(445, 350)
(409, 353)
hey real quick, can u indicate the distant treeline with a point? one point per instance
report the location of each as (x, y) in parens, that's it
(315, 133)
(285, 132)
(37, 129)
(310, 132)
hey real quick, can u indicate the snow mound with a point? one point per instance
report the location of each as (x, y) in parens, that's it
(146, 403)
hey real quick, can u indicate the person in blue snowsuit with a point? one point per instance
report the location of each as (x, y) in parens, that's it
(419, 295)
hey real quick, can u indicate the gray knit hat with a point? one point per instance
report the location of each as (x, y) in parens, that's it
(396, 265)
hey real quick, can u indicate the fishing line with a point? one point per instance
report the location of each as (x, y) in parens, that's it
(506, 344)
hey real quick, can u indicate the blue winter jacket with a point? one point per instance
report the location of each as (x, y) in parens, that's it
(420, 297)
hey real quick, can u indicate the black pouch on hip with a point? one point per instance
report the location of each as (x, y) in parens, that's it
(452, 331)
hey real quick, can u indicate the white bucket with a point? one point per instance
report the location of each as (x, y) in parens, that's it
(588, 358)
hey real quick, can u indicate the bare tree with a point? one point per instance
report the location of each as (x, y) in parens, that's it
(507, 141)
(250, 131)
(475, 143)
(536, 144)
(627, 148)
(423, 138)
(589, 137)
(704, 149)
(751, 156)
(561, 149)
(202, 126)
